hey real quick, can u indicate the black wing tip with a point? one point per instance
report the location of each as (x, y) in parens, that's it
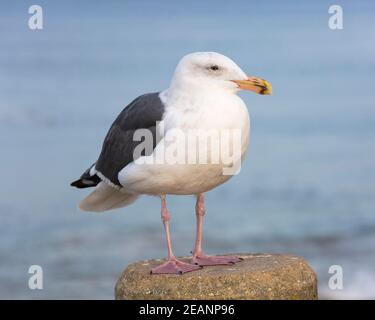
(78, 184)
(86, 180)
(85, 183)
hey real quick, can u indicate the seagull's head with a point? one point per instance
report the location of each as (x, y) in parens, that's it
(214, 71)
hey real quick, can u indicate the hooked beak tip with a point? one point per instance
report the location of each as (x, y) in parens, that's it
(256, 85)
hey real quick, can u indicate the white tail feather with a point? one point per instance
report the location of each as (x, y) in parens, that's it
(105, 197)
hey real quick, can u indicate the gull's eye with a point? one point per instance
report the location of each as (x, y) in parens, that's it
(214, 67)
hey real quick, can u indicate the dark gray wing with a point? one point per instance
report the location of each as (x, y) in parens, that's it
(118, 146)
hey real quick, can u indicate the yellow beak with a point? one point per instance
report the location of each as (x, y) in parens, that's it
(255, 84)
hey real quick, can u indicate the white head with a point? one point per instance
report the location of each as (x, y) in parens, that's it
(214, 71)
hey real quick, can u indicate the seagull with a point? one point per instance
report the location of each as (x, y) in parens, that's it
(148, 150)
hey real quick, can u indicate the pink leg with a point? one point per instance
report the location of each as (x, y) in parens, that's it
(172, 265)
(199, 258)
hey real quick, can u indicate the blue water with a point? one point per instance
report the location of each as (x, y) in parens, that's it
(307, 186)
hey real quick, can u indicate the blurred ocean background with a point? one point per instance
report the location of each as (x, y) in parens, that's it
(307, 186)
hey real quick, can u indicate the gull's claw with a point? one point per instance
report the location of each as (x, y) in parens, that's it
(174, 266)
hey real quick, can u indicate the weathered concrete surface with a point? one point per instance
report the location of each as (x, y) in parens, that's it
(258, 276)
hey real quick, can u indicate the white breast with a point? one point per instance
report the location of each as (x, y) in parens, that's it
(222, 113)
